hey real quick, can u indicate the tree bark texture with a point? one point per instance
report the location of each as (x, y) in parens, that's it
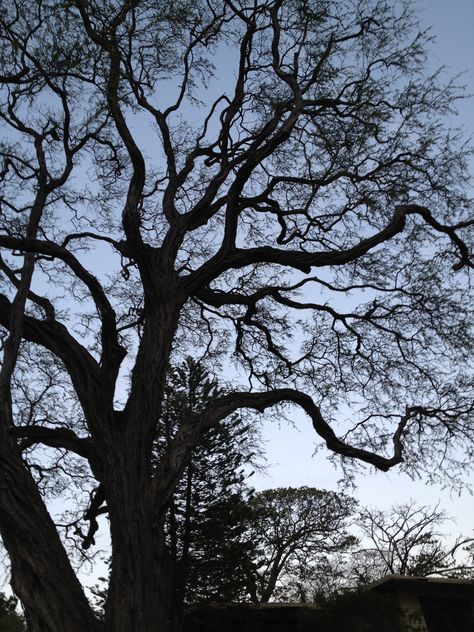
(42, 576)
(140, 581)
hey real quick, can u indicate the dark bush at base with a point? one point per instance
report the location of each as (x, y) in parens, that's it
(354, 612)
(359, 612)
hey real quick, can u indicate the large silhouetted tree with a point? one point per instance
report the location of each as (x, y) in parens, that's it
(275, 184)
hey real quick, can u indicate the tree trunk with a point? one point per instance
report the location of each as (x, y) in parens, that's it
(268, 588)
(139, 596)
(140, 590)
(42, 576)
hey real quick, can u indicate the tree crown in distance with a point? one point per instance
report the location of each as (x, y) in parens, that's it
(307, 217)
(408, 540)
(296, 534)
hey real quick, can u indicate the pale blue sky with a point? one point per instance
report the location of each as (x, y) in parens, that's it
(290, 450)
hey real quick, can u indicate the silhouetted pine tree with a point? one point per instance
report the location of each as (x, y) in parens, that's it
(205, 523)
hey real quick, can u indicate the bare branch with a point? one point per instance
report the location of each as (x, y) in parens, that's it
(191, 432)
(55, 438)
(112, 352)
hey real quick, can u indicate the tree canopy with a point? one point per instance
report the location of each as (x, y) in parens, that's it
(277, 187)
(295, 534)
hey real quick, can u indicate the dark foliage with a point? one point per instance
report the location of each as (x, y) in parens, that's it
(10, 621)
(361, 612)
(205, 523)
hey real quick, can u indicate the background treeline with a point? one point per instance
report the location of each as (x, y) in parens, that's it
(10, 620)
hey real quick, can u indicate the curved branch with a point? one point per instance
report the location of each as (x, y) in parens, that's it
(305, 261)
(192, 431)
(52, 335)
(53, 437)
(96, 508)
(112, 351)
(131, 218)
(41, 301)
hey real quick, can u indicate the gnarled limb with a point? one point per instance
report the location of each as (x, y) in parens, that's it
(191, 432)
(55, 438)
(304, 261)
(112, 352)
(82, 367)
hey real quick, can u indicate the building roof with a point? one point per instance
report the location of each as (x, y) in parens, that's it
(390, 582)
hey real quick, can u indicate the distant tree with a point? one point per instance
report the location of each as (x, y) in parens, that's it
(10, 620)
(408, 540)
(362, 567)
(294, 532)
